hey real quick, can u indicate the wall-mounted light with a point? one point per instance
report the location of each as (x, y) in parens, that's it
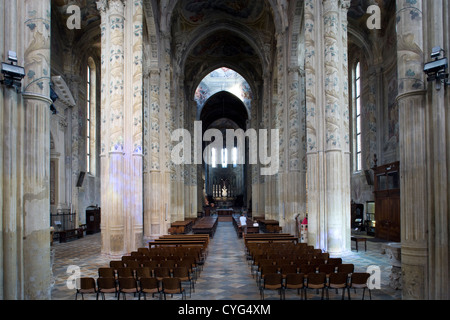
(436, 70)
(12, 74)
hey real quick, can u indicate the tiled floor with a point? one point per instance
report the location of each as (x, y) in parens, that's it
(226, 274)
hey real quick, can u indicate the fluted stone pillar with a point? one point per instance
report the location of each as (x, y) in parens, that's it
(36, 158)
(328, 156)
(413, 141)
(424, 136)
(439, 152)
(11, 168)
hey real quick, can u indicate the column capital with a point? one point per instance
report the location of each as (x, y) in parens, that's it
(105, 5)
(102, 6)
(344, 4)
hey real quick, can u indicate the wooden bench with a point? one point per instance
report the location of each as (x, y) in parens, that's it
(70, 234)
(176, 243)
(206, 225)
(181, 227)
(186, 236)
(269, 238)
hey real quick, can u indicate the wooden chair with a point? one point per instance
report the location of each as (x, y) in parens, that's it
(337, 281)
(149, 285)
(272, 281)
(106, 285)
(266, 269)
(334, 261)
(307, 269)
(347, 268)
(173, 286)
(133, 264)
(328, 269)
(143, 272)
(286, 269)
(183, 274)
(162, 272)
(116, 265)
(358, 280)
(295, 281)
(171, 264)
(125, 273)
(144, 251)
(106, 273)
(86, 286)
(127, 286)
(316, 281)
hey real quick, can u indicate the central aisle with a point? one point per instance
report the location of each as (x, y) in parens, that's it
(226, 273)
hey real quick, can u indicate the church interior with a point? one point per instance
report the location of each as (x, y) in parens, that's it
(339, 154)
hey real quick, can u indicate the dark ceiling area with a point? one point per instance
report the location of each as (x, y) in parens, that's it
(224, 105)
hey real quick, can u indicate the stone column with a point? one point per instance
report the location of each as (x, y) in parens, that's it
(254, 124)
(291, 195)
(11, 155)
(328, 171)
(36, 161)
(112, 137)
(439, 152)
(413, 142)
(157, 186)
(155, 206)
(122, 163)
(136, 208)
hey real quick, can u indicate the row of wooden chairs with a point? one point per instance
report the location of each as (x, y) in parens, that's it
(296, 261)
(124, 286)
(305, 269)
(315, 281)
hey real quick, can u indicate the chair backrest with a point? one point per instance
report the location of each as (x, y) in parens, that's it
(148, 283)
(168, 263)
(162, 272)
(171, 284)
(144, 251)
(307, 268)
(127, 283)
(273, 279)
(106, 272)
(346, 268)
(116, 264)
(150, 264)
(295, 278)
(338, 278)
(334, 261)
(327, 268)
(180, 272)
(359, 279)
(143, 272)
(125, 273)
(268, 269)
(106, 283)
(133, 264)
(128, 258)
(316, 278)
(285, 269)
(87, 283)
(317, 262)
(186, 264)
